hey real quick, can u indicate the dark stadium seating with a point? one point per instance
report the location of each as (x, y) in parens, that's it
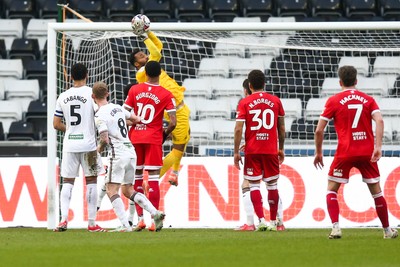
(46, 9)
(390, 9)
(292, 8)
(19, 9)
(91, 9)
(21, 130)
(357, 8)
(326, 8)
(37, 115)
(119, 10)
(223, 10)
(25, 48)
(1, 132)
(189, 10)
(3, 51)
(258, 8)
(156, 10)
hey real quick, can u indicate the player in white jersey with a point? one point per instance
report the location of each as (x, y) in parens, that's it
(79, 147)
(111, 124)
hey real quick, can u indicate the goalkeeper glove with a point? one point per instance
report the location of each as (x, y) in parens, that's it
(143, 36)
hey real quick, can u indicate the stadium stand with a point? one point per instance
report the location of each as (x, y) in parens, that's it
(326, 8)
(189, 10)
(21, 130)
(46, 9)
(257, 8)
(119, 10)
(223, 10)
(156, 10)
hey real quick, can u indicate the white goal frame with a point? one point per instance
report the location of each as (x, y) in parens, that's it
(53, 198)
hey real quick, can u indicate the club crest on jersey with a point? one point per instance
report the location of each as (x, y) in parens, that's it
(249, 171)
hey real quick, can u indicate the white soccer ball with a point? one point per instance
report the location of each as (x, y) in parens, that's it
(140, 24)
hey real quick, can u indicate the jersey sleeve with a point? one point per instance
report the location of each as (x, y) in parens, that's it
(127, 113)
(171, 105)
(328, 112)
(100, 122)
(129, 101)
(58, 112)
(374, 106)
(281, 111)
(241, 112)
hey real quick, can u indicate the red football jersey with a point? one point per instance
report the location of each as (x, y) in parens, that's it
(351, 111)
(149, 101)
(260, 112)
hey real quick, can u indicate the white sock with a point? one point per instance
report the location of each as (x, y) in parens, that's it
(143, 202)
(279, 214)
(131, 210)
(248, 208)
(65, 199)
(101, 195)
(91, 198)
(119, 210)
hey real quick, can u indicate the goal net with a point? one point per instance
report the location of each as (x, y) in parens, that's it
(211, 60)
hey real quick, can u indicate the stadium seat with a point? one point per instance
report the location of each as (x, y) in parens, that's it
(230, 47)
(19, 9)
(267, 46)
(10, 110)
(213, 67)
(37, 115)
(37, 28)
(198, 87)
(360, 63)
(91, 9)
(191, 102)
(11, 68)
(292, 8)
(314, 108)
(21, 130)
(389, 8)
(46, 9)
(249, 20)
(120, 10)
(326, 8)
(365, 8)
(258, 8)
(223, 130)
(376, 86)
(3, 50)
(386, 65)
(201, 130)
(218, 108)
(189, 9)
(223, 10)
(2, 93)
(24, 48)
(240, 67)
(35, 69)
(156, 10)
(292, 107)
(22, 90)
(10, 29)
(227, 87)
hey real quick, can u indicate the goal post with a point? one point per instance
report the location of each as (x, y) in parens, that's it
(300, 60)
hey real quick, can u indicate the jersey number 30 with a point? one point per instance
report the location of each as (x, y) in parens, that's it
(264, 118)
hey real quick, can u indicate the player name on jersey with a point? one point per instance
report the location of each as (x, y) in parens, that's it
(353, 97)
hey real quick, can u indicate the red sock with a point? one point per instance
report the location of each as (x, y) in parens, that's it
(138, 188)
(273, 199)
(333, 206)
(256, 199)
(381, 210)
(154, 193)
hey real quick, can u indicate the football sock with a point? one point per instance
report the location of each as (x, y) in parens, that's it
(333, 206)
(154, 190)
(131, 210)
(177, 163)
(119, 209)
(91, 198)
(273, 199)
(279, 213)
(65, 199)
(101, 195)
(142, 200)
(256, 199)
(138, 188)
(381, 209)
(173, 157)
(248, 206)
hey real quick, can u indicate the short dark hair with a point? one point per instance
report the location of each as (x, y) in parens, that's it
(78, 72)
(153, 69)
(348, 75)
(246, 86)
(132, 58)
(127, 88)
(257, 79)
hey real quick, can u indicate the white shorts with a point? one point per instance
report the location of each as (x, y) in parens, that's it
(90, 161)
(121, 170)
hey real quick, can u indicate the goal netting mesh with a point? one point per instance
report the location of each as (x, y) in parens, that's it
(300, 67)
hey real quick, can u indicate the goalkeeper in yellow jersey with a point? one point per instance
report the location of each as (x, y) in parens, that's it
(181, 134)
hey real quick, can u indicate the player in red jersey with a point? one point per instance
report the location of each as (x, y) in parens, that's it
(352, 112)
(149, 100)
(263, 116)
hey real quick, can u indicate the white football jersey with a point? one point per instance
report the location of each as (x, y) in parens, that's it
(77, 107)
(112, 118)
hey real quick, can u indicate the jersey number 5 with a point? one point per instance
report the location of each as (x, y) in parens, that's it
(73, 113)
(264, 118)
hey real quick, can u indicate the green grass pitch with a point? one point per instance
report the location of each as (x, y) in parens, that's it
(197, 247)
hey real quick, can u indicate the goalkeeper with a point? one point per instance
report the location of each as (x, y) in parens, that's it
(181, 134)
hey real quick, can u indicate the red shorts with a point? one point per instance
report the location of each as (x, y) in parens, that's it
(261, 166)
(149, 156)
(340, 169)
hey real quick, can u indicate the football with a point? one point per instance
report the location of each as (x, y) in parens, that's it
(140, 24)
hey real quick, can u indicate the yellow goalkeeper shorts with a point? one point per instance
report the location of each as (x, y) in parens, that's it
(181, 133)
